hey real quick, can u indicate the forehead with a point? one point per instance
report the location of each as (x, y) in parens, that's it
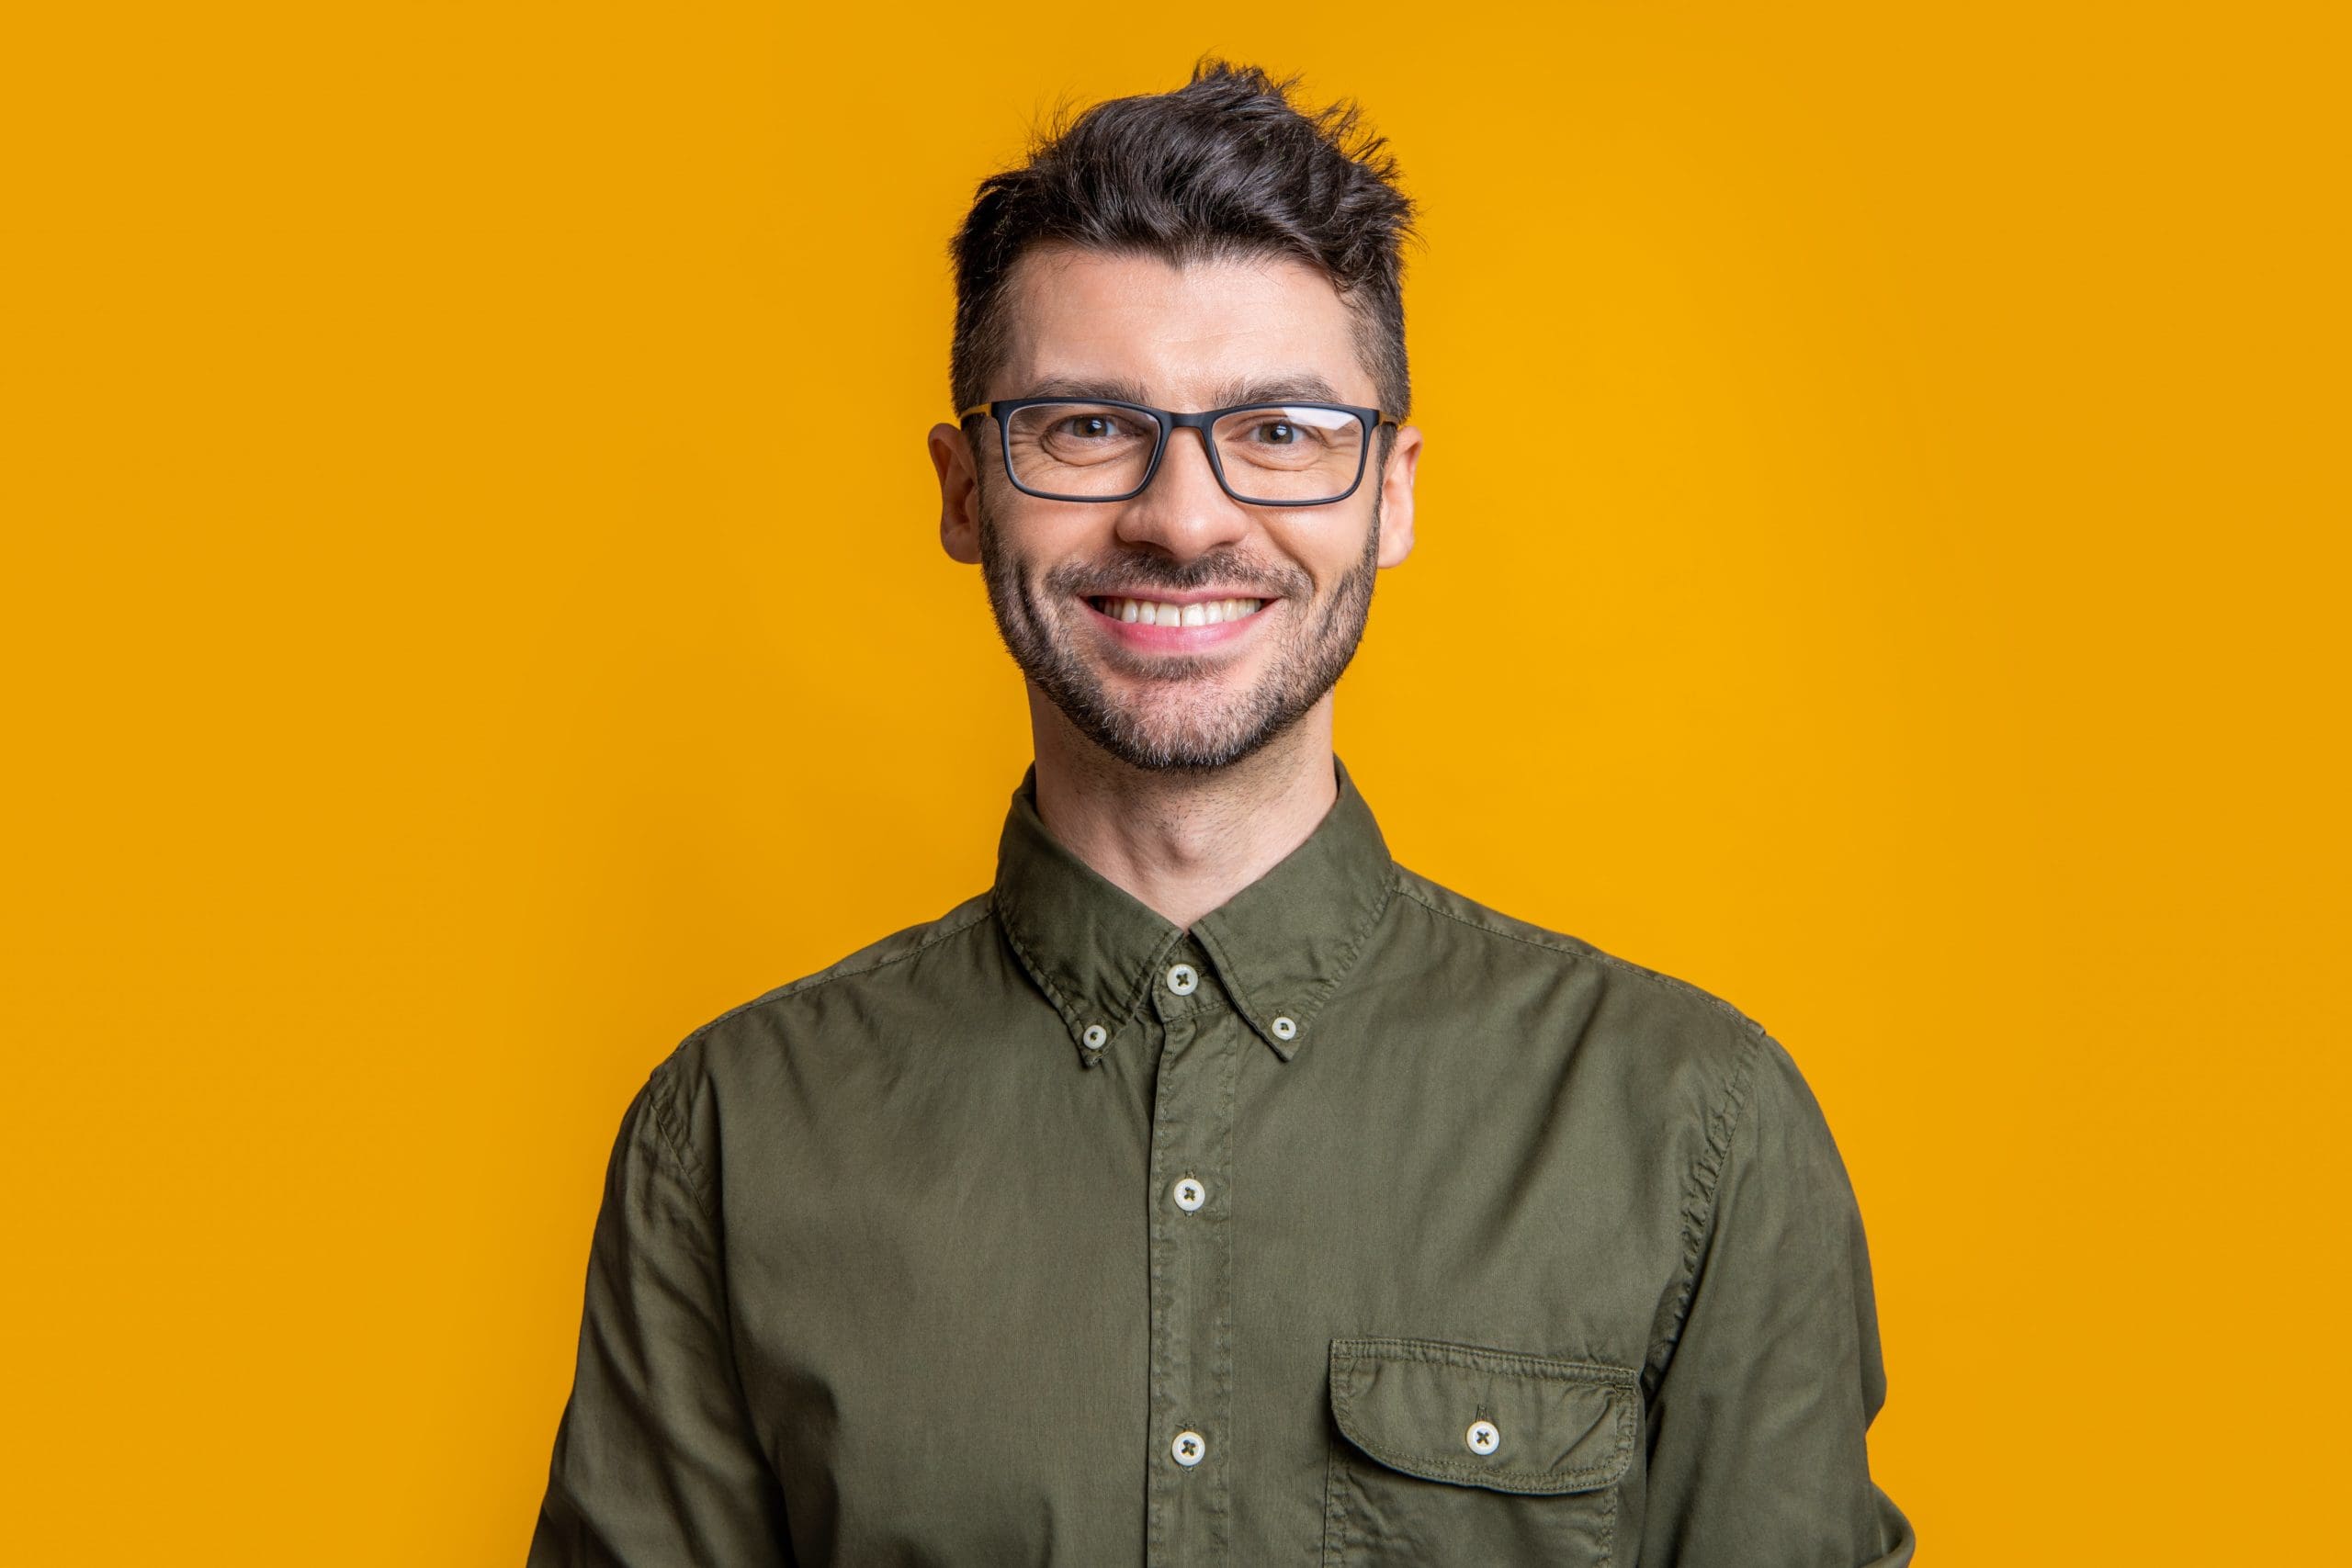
(1184, 335)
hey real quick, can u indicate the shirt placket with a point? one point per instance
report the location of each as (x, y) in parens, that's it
(1191, 1458)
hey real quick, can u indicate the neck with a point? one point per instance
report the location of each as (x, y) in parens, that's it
(1182, 843)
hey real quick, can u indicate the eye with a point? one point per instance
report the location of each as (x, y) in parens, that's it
(1089, 427)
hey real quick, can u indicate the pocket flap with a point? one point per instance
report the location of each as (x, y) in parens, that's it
(1427, 1407)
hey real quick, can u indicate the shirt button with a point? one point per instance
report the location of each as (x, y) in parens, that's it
(1483, 1438)
(1284, 1029)
(1190, 1448)
(1095, 1035)
(1190, 1193)
(1183, 979)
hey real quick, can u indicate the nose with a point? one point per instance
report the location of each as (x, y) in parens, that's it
(1184, 511)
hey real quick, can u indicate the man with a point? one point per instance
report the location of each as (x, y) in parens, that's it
(1212, 1189)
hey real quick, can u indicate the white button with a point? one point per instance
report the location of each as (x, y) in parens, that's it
(1190, 1193)
(1284, 1029)
(1095, 1035)
(1183, 979)
(1483, 1438)
(1190, 1448)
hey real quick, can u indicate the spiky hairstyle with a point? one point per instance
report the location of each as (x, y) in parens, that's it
(1224, 167)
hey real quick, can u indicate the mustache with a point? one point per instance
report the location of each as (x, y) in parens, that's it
(1088, 580)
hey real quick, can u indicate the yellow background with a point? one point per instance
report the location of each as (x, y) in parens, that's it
(472, 612)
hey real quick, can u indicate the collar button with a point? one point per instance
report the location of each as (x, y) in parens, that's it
(1095, 1036)
(1183, 979)
(1284, 1029)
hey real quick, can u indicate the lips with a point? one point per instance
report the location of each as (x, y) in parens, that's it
(1159, 626)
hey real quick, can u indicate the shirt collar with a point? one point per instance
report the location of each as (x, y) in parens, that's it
(1281, 946)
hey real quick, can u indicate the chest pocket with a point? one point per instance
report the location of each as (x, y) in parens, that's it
(1463, 1454)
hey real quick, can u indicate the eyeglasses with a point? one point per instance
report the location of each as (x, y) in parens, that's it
(1263, 454)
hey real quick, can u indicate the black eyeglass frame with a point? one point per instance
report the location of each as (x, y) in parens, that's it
(1169, 421)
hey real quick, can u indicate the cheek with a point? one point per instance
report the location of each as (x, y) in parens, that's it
(1047, 533)
(1027, 540)
(1345, 547)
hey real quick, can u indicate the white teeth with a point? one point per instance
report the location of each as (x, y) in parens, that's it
(1151, 612)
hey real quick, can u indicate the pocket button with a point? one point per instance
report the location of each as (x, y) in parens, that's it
(1483, 1438)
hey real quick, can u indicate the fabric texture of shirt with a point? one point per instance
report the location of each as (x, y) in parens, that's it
(1356, 1224)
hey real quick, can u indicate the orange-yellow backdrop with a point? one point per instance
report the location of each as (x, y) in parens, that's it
(473, 612)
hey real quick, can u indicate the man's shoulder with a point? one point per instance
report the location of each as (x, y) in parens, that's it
(876, 956)
(1613, 1001)
(849, 983)
(1693, 1071)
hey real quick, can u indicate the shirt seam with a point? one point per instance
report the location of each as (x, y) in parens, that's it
(1586, 950)
(1703, 1188)
(668, 1126)
(834, 972)
(673, 1135)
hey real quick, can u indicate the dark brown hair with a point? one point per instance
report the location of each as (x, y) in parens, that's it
(1222, 167)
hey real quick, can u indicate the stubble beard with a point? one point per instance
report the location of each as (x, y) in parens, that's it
(1188, 717)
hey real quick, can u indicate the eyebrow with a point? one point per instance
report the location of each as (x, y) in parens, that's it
(1088, 386)
(1295, 386)
(1288, 386)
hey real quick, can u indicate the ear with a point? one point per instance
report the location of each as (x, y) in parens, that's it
(1397, 496)
(959, 493)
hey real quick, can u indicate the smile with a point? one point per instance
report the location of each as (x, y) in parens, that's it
(1159, 613)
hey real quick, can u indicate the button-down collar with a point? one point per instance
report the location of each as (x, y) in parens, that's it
(1281, 946)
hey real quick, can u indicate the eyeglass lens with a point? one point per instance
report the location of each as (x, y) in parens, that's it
(1081, 451)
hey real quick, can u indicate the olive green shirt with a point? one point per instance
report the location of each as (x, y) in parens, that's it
(1357, 1225)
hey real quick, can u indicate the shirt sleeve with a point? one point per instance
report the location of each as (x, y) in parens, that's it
(655, 1460)
(1756, 1452)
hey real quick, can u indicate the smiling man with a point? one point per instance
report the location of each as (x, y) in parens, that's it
(1211, 1188)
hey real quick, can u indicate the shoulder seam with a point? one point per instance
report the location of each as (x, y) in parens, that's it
(1701, 1187)
(667, 1125)
(1409, 892)
(834, 972)
(1586, 950)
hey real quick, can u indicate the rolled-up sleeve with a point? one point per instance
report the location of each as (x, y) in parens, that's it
(655, 1460)
(1756, 1440)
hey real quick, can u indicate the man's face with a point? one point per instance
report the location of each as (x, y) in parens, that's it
(1207, 336)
